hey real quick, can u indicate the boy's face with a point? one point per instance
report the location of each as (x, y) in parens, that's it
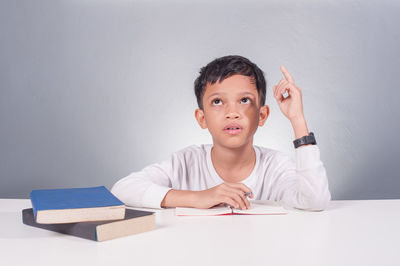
(232, 111)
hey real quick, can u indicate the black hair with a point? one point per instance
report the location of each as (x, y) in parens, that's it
(224, 67)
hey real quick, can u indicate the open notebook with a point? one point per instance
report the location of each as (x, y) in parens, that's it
(255, 209)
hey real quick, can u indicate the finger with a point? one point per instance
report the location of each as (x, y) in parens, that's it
(281, 90)
(279, 84)
(281, 81)
(287, 86)
(242, 190)
(237, 198)
(246, 201)
(228, 200)
(287, 75)
(285, 92)
(291, 90)
(239, 193)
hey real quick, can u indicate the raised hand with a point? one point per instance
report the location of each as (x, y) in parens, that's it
(289, 96)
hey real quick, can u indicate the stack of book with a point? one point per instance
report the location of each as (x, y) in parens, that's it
(92, 213)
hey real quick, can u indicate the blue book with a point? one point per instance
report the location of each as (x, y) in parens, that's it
(71, 205)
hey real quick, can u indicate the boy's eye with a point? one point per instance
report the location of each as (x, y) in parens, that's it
(216, 102)
(245, 100)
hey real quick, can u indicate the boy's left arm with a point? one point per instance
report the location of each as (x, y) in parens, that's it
(309, 168)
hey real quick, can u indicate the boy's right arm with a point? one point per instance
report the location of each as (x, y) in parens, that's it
(152, 187)
(145, 188)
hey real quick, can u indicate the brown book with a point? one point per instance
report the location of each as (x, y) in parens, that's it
(135, 222)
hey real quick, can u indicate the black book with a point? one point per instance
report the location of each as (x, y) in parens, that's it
(135, 222)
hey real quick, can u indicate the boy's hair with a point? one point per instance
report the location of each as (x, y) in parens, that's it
(224, 67)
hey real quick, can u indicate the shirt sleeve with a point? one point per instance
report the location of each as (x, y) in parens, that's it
(302, 184)
(146, 188)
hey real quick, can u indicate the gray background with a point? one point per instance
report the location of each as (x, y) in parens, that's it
(93, 90)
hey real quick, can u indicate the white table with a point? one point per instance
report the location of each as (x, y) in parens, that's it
(347, 233)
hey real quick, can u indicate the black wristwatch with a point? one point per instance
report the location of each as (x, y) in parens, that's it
(310, 139)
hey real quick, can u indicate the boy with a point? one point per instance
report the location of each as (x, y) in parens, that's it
(231, 93)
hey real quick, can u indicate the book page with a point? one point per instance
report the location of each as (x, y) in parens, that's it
(262, 209)
(218, 210)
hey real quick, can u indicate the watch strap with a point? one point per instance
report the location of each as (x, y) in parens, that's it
(310, 139)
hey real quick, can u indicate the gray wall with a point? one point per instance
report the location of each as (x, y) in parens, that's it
(93, 90)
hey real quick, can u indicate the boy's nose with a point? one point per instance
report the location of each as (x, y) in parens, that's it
(232, 115)
(231, 112)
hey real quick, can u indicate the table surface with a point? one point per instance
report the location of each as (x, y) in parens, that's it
(347, 233)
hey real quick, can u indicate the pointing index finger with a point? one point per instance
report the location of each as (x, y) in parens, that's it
(287, 75)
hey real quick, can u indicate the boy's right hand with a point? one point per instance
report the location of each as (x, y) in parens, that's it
(229, 193)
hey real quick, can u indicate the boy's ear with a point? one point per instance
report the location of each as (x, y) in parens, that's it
(264, 113)
(199, 114)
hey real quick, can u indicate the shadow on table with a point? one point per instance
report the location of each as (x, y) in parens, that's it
(13, 228)
(332, 206)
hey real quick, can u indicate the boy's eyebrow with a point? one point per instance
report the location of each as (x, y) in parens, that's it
(215, 93)
(249, 93)
(223, 93)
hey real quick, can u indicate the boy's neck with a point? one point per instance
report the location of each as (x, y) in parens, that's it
(233, 165)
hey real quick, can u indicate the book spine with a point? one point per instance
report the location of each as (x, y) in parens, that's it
(83, 230)
(32, 198)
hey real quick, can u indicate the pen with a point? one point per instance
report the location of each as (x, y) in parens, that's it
(248, 194)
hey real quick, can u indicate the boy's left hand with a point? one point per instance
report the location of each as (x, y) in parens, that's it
(292, 105)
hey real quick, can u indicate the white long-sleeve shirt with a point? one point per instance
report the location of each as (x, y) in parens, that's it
(276, 176)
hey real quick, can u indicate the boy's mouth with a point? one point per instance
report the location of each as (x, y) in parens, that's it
(233, 129)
